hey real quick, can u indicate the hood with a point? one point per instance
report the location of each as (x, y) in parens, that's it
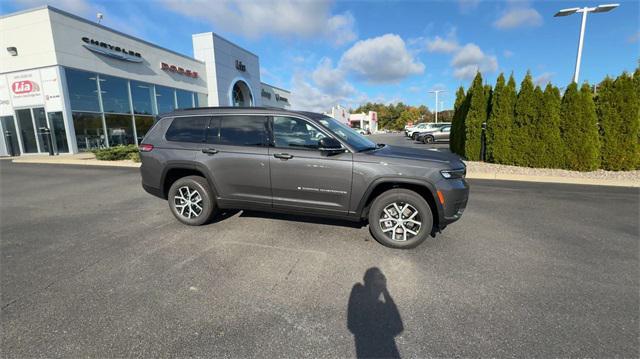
(408, 153)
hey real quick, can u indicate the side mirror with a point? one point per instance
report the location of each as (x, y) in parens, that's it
(329, 144)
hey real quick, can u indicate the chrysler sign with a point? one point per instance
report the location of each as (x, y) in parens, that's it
(116, 52)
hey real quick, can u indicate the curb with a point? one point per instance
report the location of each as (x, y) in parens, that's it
(127, 164)
(554, 179)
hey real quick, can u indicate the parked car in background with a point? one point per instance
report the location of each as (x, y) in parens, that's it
(209, 159)
(424, 127)
(438, 135)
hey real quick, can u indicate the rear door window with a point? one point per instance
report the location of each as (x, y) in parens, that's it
(243, 130)
(187, 129)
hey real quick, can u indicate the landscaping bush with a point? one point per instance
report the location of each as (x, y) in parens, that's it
(579, 129)
(618, 107)
(456, 139)
(476, 116)
(116, 153)
(500, 121)
(537, 128)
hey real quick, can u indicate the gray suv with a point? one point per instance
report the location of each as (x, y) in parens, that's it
(206, 159)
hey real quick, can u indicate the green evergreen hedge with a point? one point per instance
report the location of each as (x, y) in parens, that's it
(118, 153)
(584, 129)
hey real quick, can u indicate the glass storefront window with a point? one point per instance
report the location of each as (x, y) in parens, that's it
(143, 124)
(58, 132)
(165, 99)
(119, 129)
(142, 98)
(83, 90)
(115, 95)
(201, 100)
(89, 131)
(185, 99)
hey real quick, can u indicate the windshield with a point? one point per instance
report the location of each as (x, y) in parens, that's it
(357, 141)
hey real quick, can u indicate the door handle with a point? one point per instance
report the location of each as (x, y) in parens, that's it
(209, 151)
(283, 156)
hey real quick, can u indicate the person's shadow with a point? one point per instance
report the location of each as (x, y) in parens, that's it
(373, 317)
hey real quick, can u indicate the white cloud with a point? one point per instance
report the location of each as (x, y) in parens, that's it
(471, 59)
(307, 96)
(634, 38)
(543, 79)
(383, 59)
(331, 80)
(507, 53)
(467, 5)
(518, 16)
(276, 17)
(441, 45)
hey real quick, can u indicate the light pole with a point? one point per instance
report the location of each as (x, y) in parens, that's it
(585, 10)
(437, 92)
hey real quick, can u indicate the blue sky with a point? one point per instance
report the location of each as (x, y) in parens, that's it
(350, 52)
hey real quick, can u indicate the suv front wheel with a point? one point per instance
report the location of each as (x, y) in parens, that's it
(191, 201)
(400, 218)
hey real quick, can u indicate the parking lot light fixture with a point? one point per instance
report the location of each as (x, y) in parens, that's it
(585, 10)
(437, 92)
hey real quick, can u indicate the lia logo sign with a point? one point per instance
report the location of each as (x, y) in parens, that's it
(24, 87)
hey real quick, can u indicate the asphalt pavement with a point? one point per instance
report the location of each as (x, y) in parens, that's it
(92, 266)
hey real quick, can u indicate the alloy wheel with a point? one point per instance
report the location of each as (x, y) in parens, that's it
(400, 221)
(188, 202)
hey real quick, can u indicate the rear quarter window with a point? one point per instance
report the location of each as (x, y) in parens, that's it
(187, 129)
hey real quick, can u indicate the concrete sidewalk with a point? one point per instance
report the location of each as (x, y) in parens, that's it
(475, 170)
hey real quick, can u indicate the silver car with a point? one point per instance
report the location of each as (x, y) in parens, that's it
(439, 135)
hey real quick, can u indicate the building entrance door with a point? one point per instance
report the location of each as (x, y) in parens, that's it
(31, 122)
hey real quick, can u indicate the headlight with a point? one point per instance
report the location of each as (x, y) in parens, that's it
(453, 174)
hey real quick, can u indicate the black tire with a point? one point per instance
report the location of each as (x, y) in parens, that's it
(207, 203)
(414, 136)
(400, 196)
(428, 139)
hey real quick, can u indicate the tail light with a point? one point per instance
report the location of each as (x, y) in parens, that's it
(145, 147)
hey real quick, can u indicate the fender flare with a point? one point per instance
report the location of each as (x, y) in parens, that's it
(190, 166)
(401, 180)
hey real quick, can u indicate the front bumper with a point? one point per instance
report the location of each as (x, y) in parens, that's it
(455, 193)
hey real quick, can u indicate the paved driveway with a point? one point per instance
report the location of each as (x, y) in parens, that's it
(92, 266)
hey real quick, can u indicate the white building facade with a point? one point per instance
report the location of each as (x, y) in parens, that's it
(94, 87)
(365, 121)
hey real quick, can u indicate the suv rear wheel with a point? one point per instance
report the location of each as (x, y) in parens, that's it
(428, 139)
(191, 201)
(400, 218)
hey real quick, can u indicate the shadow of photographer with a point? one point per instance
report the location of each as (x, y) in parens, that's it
(373, 318)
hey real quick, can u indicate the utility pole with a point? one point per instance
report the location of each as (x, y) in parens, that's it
(584, 11)
(437, 92)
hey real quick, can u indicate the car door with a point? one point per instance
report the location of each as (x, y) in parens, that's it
(235, 153)
(303, 177)
(443, 134)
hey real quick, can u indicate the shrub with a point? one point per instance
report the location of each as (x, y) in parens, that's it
(115, 153)
(500, 121)
(456, 141)
(579, 129)
(618, 108)
(476, 115)
(522, 137)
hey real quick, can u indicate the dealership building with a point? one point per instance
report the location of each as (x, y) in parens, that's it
(93, 87)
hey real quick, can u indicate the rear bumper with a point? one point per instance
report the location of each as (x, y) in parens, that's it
(153, 191)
